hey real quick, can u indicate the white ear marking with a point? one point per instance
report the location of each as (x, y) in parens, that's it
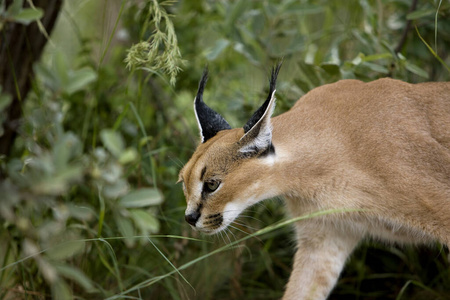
(259, 137)
(198, 123)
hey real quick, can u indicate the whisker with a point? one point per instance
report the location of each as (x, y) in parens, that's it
(234, 236)
(266, 209)
(234, 247)
(245, 232)
(223, 239)
(226, 234)
(238, 229)
(249, 217)
(245, 225)
(245, 215)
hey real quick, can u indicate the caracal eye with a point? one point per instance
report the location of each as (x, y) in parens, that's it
(211, 186)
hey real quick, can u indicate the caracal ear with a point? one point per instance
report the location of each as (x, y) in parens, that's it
(209, 121)
(258, 130)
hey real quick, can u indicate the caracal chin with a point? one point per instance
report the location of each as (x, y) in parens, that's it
(379, 150)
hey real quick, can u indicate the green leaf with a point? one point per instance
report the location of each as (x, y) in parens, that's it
(416, 70)
(5, 100)
(15, 8)
(304, 86)
(75, 275)
(48, 76)
(116, 189)
(375, 67)
(113, 141)
(330, 72)
(62, 150)
(377, 56)
(59, 182)
(310, 74)
(331, 69)
(301, 8)
(129, 155)
(61, 68)
(79, 79)
(65, 250)
(420, 14)
(126, 229)
(236, 10)
(60, 290)
(83, 213)
(142, 198)
(28, 15)
(145, 221)
(242, 49)
(219, 46)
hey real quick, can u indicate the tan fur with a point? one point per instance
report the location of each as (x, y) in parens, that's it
(382, 148)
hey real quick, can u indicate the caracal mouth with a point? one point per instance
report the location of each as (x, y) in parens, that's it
(211, 231)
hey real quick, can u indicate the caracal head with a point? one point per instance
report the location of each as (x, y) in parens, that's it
(228, 171)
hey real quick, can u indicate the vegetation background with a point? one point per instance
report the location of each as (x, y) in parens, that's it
(89, 208)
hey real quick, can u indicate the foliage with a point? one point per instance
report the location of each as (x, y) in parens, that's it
(147, 54)
(99, 147)
(17, 13)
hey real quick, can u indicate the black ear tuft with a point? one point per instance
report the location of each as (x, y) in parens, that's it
(260, 112)
(257, 139)
(209, 121)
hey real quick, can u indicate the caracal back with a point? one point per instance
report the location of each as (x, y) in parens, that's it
(382, 146)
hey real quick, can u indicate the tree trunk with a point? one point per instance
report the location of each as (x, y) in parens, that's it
(21, 46)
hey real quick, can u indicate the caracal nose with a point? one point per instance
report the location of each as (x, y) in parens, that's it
(192, 218)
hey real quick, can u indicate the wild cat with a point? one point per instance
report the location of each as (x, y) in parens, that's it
(379, 149)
